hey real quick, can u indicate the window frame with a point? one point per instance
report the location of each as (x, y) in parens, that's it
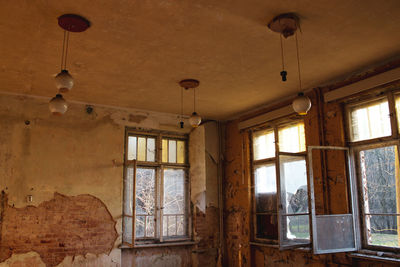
(379, 142)
(275, 126)
(159, 167)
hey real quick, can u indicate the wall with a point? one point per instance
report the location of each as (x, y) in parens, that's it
(323, 126)
(72, 166)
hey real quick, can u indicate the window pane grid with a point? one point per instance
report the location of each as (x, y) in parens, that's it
(150, 178)
(141, 148)
(263, 144)
(383, 230)
(370, 121)
(292, 138)
(379, 175)
(173, 151)
(265, 159)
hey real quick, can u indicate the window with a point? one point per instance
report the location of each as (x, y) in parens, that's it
(373, 128)
(280, 194)
(155, 189)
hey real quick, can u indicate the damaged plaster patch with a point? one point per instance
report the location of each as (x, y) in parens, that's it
(24, 260)
(63, 226)
(200, 201)
(136, 118)
(160, 260)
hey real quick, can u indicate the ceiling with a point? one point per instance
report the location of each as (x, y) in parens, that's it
(137, 51)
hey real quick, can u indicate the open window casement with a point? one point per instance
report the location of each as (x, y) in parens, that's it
(293, 211)
(334, 233)
(280, 204)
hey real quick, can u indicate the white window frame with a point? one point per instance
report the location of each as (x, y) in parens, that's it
(159, 166)
(280, 242)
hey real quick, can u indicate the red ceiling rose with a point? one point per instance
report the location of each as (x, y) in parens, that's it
(73, 23)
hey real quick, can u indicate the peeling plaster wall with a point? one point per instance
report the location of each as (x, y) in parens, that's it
(197, 167)
(75, 154)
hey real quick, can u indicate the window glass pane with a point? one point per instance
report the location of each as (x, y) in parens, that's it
(292, 138)
(174, 202)
(370, 121)
(141, 149)
(174, 191)
(294, 193)
(139, 226)
(164, 150)
(180, 226)
(267, 226)
(131, 147)
(150, 226)
(128, 191)
(151, 149)
(171, 225)
(296, 227)
(379, 173)
(383, 230)
(181, 151)
(145, 191)
(265, 188)
(145, 202)
(171, 151)
(165, 225)
(397, 99)
(127, 233)
(263, 144)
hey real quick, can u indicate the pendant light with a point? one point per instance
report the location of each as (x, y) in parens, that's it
(194, 119)
(63, 80)
(69, 23)
(181, 123)
(57, 105)
(301, 104)
(286, 25)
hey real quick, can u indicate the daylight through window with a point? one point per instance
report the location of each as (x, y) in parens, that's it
(155, 189)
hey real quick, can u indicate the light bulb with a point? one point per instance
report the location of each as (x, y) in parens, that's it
(301, 104)
(194, 120)
(64, 81)
(58, 105)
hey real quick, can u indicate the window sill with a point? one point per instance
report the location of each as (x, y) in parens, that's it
(375, 255)
(156, 245)
(298, 247)
(264, 244)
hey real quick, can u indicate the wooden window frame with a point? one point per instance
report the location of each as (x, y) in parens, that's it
(275, 126)
(159, 167)
(357, 146)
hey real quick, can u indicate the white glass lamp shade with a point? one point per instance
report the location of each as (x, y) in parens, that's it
(195, 120)
(64, 81)
(301, 104)
(57, 105)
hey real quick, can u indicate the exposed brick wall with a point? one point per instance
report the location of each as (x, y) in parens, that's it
(207, 232)
(63, 226)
